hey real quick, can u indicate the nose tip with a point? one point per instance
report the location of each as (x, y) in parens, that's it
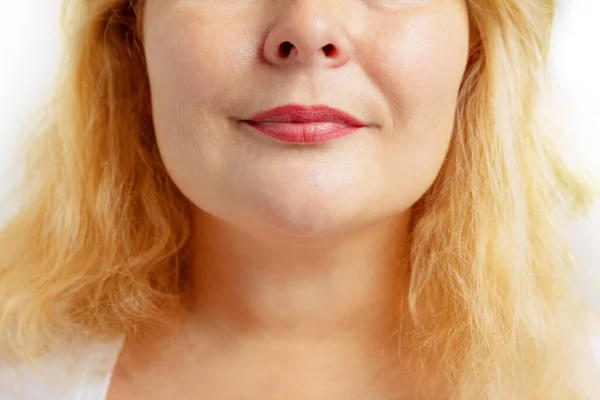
(304, 41)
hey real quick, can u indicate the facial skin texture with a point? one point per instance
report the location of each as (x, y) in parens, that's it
(296, 291)
(397, 65)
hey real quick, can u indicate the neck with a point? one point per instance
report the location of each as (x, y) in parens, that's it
(344, 285)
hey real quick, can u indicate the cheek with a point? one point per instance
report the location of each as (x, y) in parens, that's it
(418, 60)
(194, 58)
(418, 67)
(193, 62)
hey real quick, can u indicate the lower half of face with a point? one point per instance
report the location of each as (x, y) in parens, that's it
(213, 65)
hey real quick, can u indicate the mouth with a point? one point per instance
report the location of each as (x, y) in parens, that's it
(300, 124)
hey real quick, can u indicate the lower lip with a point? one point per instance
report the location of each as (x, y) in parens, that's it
(313, 132)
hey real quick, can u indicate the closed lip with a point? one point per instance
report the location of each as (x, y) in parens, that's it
(298, 114)
(300, 124)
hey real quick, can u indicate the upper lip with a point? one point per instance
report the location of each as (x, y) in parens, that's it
(294, 113)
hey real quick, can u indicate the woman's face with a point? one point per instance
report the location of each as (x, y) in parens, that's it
(394, 65)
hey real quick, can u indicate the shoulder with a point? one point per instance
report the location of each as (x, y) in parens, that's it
(73, 372)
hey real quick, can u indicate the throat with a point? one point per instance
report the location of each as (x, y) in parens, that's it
(349, 285)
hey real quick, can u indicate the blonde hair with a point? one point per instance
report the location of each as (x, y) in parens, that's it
(99, 242)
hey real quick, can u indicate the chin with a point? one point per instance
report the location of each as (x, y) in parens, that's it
(306, 227)
(308, 218)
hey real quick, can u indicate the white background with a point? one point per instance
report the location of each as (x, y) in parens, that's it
(30, 44)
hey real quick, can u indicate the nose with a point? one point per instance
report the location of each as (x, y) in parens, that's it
(307, 35)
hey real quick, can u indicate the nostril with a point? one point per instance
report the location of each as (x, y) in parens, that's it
(329, 50)
(285, 49)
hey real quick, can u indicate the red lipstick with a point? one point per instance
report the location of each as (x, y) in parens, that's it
(300, 124)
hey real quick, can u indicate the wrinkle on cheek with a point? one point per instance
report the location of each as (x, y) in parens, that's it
(198, 137)
(184, 141)
(170, 121)
(188, 70)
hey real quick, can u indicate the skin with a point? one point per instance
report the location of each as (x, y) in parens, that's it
(298, 250)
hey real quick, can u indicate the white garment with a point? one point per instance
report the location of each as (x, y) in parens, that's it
(84, 375)
(82, 372)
